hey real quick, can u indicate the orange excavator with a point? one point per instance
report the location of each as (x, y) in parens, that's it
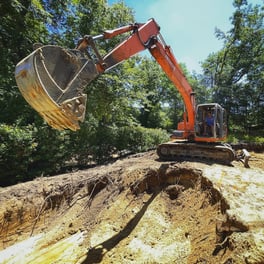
(52, 80)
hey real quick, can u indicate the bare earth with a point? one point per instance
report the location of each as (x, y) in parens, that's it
(137, 210)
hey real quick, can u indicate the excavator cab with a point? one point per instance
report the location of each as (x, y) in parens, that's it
(210, 123)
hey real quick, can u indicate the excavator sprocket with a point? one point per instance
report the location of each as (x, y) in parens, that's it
(51, 79)
(176, 150)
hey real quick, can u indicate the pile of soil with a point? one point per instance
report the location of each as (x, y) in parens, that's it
(137, 210)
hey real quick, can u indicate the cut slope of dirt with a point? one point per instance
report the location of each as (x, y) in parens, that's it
(137, 210)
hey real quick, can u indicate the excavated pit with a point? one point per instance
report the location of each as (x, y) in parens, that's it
(137, 210)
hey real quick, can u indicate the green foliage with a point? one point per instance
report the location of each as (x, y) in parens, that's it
(17, 148)
(28, 151)
(155, 101)
(235, 73)
(52, 151)
(21, 25)
(99, 142)
(138, 139)
(236, 137)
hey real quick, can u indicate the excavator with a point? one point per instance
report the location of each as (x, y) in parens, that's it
(52, 80)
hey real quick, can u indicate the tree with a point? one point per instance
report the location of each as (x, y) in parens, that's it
(235, 73)
(21, 25)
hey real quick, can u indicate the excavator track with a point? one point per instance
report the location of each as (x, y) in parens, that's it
(175, 150)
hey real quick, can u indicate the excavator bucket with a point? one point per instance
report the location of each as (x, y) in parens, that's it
(52, 79)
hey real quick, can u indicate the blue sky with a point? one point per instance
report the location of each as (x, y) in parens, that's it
(188, 26)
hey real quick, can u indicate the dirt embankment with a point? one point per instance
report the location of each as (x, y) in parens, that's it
(137, 210)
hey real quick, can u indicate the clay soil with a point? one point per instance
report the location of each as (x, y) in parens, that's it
(137, 210)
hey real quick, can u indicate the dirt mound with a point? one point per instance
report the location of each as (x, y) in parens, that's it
(137, 210)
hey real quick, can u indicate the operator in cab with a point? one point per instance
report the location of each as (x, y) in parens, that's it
(209, 124)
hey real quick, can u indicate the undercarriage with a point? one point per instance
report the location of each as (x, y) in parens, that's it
(211, 152)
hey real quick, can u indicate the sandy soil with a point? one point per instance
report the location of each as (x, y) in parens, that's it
(137, 210)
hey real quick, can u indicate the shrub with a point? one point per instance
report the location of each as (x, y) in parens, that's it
(28, 152)
(17, 146)
(53, 150)
(138, 139)
(98, 142)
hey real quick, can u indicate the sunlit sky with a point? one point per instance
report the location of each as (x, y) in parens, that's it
(188, 26)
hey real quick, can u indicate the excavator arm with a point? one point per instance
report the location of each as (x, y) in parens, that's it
(52, 79)
(147, 36)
